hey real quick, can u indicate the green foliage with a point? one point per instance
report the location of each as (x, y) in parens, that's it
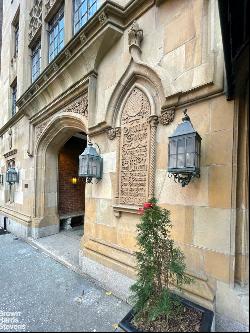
(160, 265)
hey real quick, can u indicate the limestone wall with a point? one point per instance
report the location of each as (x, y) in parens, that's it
(178, 65)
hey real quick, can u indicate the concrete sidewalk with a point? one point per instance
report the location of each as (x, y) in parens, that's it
(45, 296)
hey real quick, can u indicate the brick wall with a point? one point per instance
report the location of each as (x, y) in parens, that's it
(71, 197)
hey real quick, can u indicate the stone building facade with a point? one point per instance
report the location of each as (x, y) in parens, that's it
(123, 76)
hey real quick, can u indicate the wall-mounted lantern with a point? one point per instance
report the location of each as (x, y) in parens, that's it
(1, 179)
(184, 152)
(12, 176)
(90, 164)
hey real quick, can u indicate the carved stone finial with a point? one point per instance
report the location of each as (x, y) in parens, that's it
(167, 117)
(135, 35)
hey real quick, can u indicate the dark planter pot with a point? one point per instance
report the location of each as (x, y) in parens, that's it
(206, 321)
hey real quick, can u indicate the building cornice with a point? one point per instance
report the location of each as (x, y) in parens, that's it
(109, 16)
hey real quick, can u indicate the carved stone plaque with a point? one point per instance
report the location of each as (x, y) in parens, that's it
(135, 149)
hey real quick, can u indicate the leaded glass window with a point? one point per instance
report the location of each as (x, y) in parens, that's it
(83, 11)
(16, 40)
(56, 34)
(36, 61)
(14, 95)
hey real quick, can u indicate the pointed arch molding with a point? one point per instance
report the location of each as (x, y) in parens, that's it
(132, 118)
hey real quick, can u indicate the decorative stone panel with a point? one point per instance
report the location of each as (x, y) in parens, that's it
(136, 156)
(35, 19)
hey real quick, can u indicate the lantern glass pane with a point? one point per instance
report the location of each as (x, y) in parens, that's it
(94, 167)
(85, 166)
(190, 145)
(181, 161)
(89, 171)
(190, 160)
(181, 146)
(172, 161)
(173, 147)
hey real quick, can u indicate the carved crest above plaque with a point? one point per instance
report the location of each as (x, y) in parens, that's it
(135, 165)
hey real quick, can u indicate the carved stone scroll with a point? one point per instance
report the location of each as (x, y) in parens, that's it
(135, 150)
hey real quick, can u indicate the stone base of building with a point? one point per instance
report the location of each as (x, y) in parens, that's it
(45, 231)
(106, 277)
(18, 229)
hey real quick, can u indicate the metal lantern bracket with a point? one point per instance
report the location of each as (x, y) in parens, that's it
(184, 179)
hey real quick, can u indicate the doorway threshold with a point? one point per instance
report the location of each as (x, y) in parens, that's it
(63, 247)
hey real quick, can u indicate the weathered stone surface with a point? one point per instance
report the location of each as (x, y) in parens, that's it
(210, 227)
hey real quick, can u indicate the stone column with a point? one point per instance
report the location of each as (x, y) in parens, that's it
(118, 135)
(153, 120)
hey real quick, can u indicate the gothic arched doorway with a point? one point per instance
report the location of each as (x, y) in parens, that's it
(56, 140)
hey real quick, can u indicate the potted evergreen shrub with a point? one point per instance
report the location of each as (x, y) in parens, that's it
(161, 266)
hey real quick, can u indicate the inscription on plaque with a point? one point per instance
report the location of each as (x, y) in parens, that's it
(135, 149)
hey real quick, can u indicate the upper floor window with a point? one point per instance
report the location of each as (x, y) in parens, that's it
(56, 34)
(36, 61)
(16, 38)
(83, 11)
(14, 98)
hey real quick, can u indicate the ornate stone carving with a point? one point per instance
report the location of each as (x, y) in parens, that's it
(49, 4)
(35, 18)
(10, 153)
(79, 106)
(83, 38)
(112, 133)
(55, 67)
(135, 35)
(103, 18)
(134, 149)
(68, 54)
(40, 129)
(167, 117)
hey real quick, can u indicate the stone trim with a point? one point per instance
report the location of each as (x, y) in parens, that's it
(11, 213)
(118, 209)
(10, 153)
